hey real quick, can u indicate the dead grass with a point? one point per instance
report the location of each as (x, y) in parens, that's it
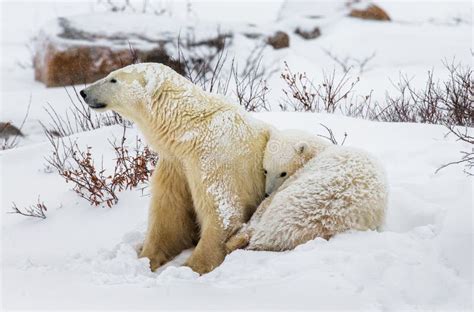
(78, 118)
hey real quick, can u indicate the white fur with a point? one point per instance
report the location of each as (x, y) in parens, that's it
(339, 189)
(286, 152)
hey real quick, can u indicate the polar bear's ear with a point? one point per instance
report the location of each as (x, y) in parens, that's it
(301, 147)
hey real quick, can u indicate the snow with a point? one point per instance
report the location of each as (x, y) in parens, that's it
(143, 31)
(84, 257)
(225, 202)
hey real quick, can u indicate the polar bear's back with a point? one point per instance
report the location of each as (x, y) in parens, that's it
(342, 188)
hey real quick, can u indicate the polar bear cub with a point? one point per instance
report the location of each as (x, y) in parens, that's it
(316, 190)
(286, 152)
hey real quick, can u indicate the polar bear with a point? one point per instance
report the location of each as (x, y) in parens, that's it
(209, 179)
(286, 152)
(336, 189)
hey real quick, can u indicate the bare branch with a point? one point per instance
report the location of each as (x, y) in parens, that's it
(90, 180)
(348, 63)
(331, 137)
(37, 210)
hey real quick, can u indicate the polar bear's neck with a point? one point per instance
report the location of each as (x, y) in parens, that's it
(176, 114)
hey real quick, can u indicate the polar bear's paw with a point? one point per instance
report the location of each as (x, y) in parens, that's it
(202, 263)
(156, 260)
(238, 241)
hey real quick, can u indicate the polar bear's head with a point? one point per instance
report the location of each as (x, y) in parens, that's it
(127, 90)
(286, 152)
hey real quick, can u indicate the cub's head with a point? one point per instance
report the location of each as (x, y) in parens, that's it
(126, 90)
(286, 152)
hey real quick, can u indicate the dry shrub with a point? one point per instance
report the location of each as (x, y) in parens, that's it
(447, 102)
(93, 182)
(8, 141)
(347, 63)
(37, 210)
(215, 73)
(78, 117)
(303, 95)
(9, 135)
(249, 84)
(143, 6)
(203, 66)
(467, 158)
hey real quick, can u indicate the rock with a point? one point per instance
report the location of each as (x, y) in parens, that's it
(308, 34)
(372, 12)
(279, 40)
(8, 130)
(83, 49)
(77, 64)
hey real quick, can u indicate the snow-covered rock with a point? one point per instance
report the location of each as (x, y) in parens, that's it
(85, 48)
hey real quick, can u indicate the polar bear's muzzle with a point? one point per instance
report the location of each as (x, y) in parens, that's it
(91, 101)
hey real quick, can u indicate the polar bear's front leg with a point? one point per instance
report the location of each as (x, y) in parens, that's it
(171, 221)
(242, 238)
(210, 251)
(210, 203)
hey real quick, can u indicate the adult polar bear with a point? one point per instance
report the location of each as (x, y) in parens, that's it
(209, 179)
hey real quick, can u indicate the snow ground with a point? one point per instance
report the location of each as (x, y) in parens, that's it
(83, 257)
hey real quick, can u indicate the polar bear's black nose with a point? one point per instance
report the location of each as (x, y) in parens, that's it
(83, 94)
(266, 195)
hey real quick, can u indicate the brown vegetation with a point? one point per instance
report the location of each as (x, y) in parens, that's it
(95, 183)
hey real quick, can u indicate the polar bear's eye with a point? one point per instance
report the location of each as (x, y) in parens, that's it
(283, 174)
(113, 80)
(265, 172)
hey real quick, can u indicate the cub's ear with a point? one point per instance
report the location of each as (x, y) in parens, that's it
(301, 147)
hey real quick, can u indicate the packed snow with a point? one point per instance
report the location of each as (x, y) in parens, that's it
(83, 257)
